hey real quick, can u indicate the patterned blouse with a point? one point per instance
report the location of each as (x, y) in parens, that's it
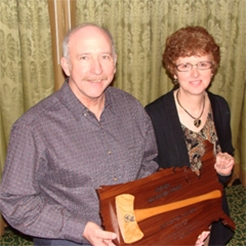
(194, 142)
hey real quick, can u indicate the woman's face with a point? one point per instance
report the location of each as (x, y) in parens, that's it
(195, 81)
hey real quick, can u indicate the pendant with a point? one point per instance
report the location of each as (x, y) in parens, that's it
(197, 122)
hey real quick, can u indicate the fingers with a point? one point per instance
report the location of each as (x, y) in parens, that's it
(98, 237)
(224, 157)
(105, 235)
(201, 238)
(108, 243)
(224, 163)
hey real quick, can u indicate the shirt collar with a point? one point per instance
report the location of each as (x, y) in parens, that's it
(108, 99)
(71, 102)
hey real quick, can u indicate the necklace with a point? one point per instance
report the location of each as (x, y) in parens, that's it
(197, 121)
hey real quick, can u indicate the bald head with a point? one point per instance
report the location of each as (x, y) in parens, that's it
(84, 29)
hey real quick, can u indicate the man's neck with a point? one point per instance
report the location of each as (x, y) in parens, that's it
(96, 106)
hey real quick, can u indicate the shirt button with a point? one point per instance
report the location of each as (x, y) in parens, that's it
(115, 178)
(85, 114)
(109, 152)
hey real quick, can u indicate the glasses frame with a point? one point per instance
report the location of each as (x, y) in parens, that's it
(192, 65)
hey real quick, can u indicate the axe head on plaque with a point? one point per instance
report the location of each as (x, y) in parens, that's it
(128, 217)
(128, 225)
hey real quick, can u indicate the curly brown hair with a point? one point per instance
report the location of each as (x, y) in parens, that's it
(190, 41)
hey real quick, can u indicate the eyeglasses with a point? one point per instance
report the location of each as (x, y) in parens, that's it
(202, 65)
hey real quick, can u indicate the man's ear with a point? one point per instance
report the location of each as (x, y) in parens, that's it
(65, 66)
(115, 62)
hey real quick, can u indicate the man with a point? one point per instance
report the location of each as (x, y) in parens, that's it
(85, 135)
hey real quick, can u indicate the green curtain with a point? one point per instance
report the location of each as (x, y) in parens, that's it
(26, 73)
(140, 28)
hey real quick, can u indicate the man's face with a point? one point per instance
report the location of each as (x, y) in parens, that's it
(92, 64)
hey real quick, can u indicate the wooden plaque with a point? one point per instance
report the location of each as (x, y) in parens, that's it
(169, 207)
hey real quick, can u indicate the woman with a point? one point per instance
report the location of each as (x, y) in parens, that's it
(186, 116)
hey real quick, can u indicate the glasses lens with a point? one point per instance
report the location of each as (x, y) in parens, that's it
(204, 65)
(184, 67)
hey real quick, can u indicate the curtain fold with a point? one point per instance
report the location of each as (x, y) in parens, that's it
(26, 70)
(62, 18)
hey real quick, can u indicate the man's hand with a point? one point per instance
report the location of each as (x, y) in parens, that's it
(224, 164)
(97, 236)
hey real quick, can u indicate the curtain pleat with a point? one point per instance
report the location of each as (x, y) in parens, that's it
(62, 18)
(26, 71)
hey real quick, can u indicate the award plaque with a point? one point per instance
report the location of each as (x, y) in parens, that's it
(170, 207)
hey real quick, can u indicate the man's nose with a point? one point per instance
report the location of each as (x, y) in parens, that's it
(96, 67)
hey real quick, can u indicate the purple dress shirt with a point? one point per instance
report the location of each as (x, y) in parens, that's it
(59, 154)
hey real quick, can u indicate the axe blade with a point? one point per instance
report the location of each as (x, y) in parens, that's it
(129, 228)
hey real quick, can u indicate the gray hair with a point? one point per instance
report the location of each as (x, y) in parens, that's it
(65, 43)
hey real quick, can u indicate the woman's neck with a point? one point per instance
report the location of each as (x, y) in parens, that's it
(193, 103)
(192, 109)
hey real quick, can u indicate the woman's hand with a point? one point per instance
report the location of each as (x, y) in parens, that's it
(224, 164)
(201, 238)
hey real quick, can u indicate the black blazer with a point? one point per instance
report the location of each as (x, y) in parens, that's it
(172, 150)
